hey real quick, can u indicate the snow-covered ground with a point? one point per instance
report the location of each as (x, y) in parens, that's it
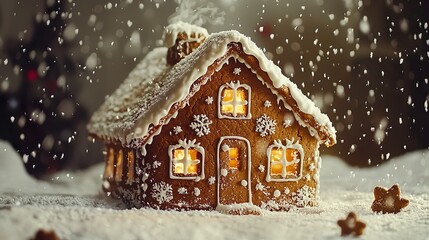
(71, 205)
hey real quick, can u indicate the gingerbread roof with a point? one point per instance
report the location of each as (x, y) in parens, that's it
(151, 94)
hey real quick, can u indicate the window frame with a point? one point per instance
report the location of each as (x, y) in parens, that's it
(290, 144)
(187, 145)
(235, 86)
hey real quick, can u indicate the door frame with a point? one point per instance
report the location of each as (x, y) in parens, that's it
(249, 166)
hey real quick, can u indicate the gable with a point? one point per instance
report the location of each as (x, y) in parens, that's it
(207, 101)
(170, 91)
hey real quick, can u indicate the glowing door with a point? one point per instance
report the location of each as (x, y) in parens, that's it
(233, 164)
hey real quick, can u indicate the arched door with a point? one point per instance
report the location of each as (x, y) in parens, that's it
(233, 166)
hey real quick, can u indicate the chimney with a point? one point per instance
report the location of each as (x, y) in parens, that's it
(182, 39)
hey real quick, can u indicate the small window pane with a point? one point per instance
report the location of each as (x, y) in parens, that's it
(119, 164)
(179, 167)
(276, 155)
(276, 169)
(233, 158)
(228, 101)
(108, 171)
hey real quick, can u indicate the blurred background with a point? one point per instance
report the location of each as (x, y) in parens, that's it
(364, 63)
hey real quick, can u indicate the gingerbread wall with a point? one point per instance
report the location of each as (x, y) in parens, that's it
(158, 190)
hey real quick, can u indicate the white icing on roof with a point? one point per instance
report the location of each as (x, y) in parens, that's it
(118, 114)
(150, 90)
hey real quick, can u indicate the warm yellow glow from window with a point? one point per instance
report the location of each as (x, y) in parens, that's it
(276, 169)
(228, 95)
(179, 154)
(228, 99)
(130, 157)
(276, 155)
(193, 169)
(292, 169)
(108, 171)
(233, 158)
(277, 166)
(178, 168)
(119, 165)
(233, 153)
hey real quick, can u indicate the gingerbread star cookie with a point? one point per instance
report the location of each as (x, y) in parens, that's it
(388, 200)
(42, 234)
(351, 225)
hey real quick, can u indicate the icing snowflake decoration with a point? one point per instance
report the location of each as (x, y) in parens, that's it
(177, 130)
(212, 180)
(312, 167)
(201, 125)
(162, 192)
(267, 104)
(288, 120)
(305, 196)
(156, 164)
(265, 125)
(237, 71)
(182, 190)
(307, 177)
(209, 100)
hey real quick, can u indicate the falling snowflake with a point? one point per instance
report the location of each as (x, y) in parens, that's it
(156, 164)
(177, 130)
(265, 125)
(267, 104)
(237, 71)
(162, 192)
(201, 125)
(182, 190)
(305, 196)
(212, 180)
(209, 100)
(261, 168)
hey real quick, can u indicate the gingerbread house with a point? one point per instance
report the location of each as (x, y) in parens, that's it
(208, 122)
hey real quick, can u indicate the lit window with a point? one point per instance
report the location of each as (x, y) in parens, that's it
(186, 165)
(186, 160)
(119, 165)
(108, 171)
(233, 158)
(234, 101)
(284, 166)
(284, 161)
(130, 157)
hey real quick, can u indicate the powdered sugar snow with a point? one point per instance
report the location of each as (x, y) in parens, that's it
(82, 213)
